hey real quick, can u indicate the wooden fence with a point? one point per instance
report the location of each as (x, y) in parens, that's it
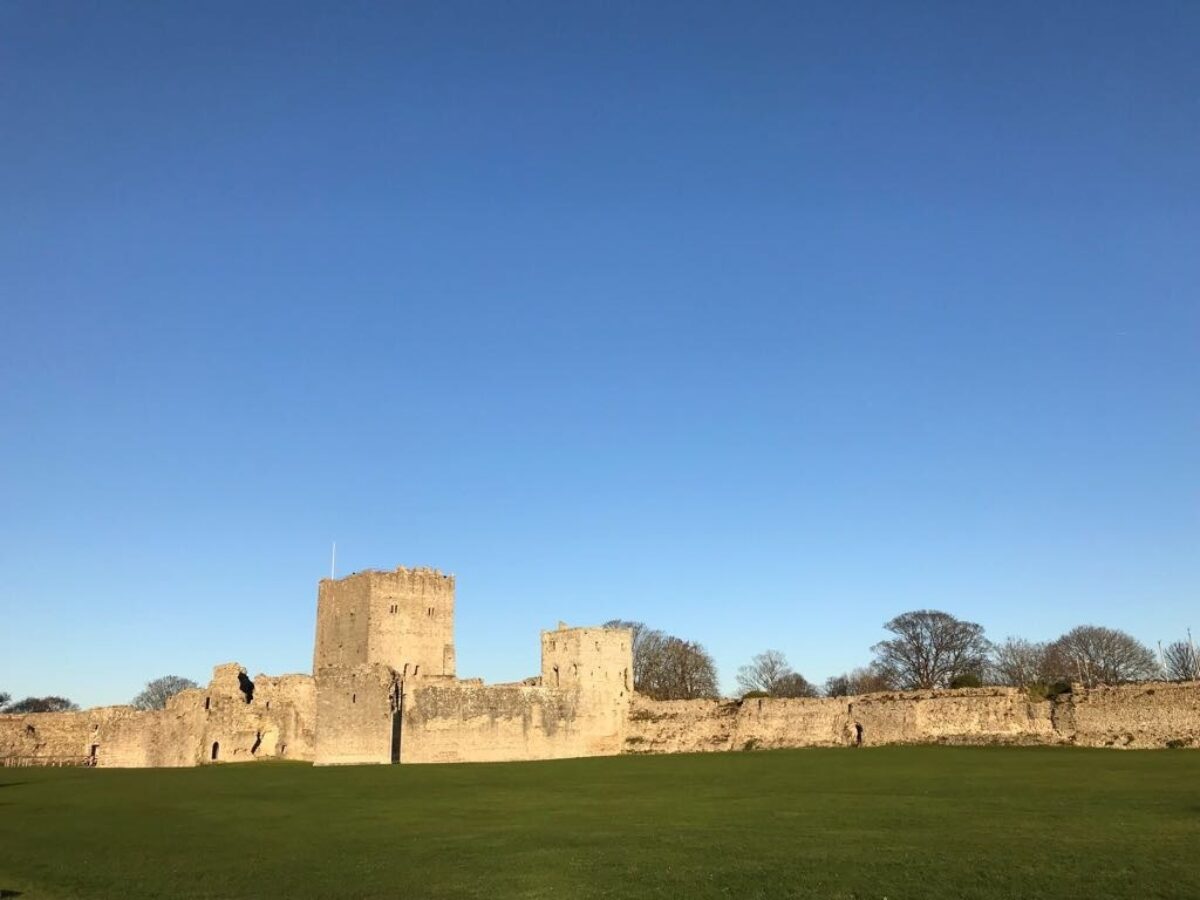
(56, 761)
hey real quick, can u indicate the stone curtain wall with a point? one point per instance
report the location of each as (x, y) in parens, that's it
(272, 719)
(1139, 716)
(968, 716)
(444, 720)
(1135, 716)
(64, 738)
(463, 722)
(579, 707)
(457, 722)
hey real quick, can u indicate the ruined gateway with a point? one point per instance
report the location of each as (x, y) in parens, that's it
(384, 690)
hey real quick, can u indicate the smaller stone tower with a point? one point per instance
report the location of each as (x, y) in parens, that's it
(403, 619)
(588, 659)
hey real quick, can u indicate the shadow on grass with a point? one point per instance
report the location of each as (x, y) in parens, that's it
(6, 893)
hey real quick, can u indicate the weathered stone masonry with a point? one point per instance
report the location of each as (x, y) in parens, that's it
(1136, 716)
(384, 690)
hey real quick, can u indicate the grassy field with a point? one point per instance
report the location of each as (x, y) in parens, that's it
(902, 822)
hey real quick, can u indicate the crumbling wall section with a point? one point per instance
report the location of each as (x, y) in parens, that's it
(269, 718)
(233, 719)
(681, 726)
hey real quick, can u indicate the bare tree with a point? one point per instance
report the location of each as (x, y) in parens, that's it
(41, 704)
(1181, 662)
(930, 649)
(1094, 655)
(863, 680)
(763, 673)
(157, 692)
(666, 667)
(1017, 662)
(680, 670)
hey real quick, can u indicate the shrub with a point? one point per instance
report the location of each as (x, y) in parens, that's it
(1048, 690)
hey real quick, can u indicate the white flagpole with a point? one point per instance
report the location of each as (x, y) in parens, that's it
(332, 561)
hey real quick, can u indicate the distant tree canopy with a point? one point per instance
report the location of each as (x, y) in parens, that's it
(967, 680)
(666, 667)
(927, 649)
(769, 673)
(795, 685)
(156, 693)
(930, 649)
(1095, 655)
(1181, 661)
(1017, 662)
(41, 704)
(5, 696)
(863, 680)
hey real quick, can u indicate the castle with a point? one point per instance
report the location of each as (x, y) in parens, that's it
(384, 689)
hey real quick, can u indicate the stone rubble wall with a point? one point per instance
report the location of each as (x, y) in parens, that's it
(62, 738)
(1137, 716)
(967, 716)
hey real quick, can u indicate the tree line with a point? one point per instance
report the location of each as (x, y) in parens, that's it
(35, 704)
(154, 695)
(926, 649)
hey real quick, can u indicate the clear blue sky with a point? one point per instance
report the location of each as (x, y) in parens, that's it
(759, 323)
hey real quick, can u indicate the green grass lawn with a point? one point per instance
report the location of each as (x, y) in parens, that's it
(894, 822)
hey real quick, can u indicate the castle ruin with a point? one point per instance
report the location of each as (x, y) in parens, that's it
(384, 689)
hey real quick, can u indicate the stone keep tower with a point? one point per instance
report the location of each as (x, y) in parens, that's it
(403, 619)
